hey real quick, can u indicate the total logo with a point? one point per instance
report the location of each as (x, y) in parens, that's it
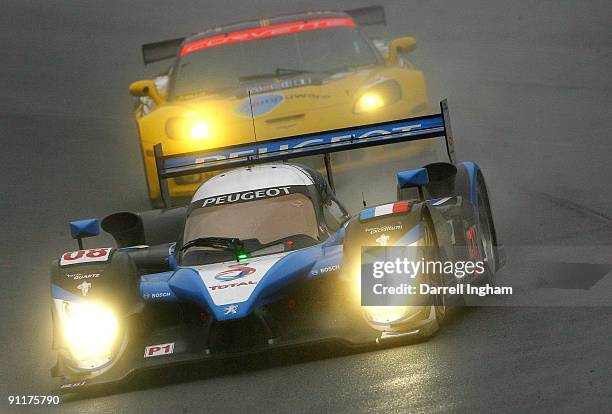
(236, 272)
(232, 285)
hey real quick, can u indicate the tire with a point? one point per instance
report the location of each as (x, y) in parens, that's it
(428, 318)
(486, 231)
(440, 307)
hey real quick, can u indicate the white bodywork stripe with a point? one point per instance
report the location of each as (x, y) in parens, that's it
(224, 292)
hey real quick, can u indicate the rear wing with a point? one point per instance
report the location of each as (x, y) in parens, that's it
(319, 143)
(168, 49)
(158, 51)
(368, 16)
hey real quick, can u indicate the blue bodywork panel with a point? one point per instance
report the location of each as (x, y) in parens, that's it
(84, 228)
(412, 178)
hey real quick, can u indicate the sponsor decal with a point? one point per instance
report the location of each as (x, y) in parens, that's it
(158, 350)
(86, 256)
(73, 384)
(279, 85)
(231, 309)
(84, 287)
(390, 227)
(232, 285)
(224, 293)
(392, 208)
(236, 272)
(340, 139)
(382, 240)
(78, 276)
(244, 196)
(260, 104)
(307, 96)
(265, 32)
(328, 269)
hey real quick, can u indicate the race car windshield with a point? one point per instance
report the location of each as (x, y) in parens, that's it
(221, 68)
(289, 220)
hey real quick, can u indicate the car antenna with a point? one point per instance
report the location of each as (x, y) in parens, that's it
(363, 199)
(252, 116)
(253, 123)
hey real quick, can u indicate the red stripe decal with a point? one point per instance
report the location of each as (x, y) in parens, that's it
(400, 206)
(264, 32)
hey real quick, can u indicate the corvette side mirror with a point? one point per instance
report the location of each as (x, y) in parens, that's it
(146, 88)
(84, 228)
(400, 45)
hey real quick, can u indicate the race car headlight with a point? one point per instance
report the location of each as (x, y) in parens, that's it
(387, 314)
(199, 130)
(90, 331)
(186, 128)
(383, 94)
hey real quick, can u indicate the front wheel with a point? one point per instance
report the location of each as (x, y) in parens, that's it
(424, 320)
(486, 231)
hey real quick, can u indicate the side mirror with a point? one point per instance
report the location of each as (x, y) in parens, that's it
(400, 45)
(412, 178)
(84, 228)
(146, 88)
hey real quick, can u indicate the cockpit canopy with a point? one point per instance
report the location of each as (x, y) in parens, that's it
(271, 208)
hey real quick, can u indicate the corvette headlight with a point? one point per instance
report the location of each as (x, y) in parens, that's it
(90, 332)
(369, 101)
(385, 93)
(186, 128)
(199, 130)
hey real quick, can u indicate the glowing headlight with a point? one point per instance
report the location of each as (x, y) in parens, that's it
(388, 314)
(368, 102)
(385, 93)
(90, 331)
(186, 128)
(199, 130)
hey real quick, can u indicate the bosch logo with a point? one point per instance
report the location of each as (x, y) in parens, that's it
(234, 273)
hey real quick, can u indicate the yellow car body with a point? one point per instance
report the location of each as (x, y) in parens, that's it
(292, 103)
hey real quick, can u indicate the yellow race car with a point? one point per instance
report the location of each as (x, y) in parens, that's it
(271, 78)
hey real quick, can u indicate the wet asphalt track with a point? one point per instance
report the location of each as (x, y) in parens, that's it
(530, 92)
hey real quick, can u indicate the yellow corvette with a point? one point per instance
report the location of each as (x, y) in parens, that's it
(272, 78)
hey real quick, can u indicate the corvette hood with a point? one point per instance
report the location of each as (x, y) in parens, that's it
(281, 107)
(279, 97)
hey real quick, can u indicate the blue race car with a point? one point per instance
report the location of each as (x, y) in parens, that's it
(265, 256)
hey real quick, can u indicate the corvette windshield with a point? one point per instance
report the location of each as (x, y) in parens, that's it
(229, 66)
(289, 220)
